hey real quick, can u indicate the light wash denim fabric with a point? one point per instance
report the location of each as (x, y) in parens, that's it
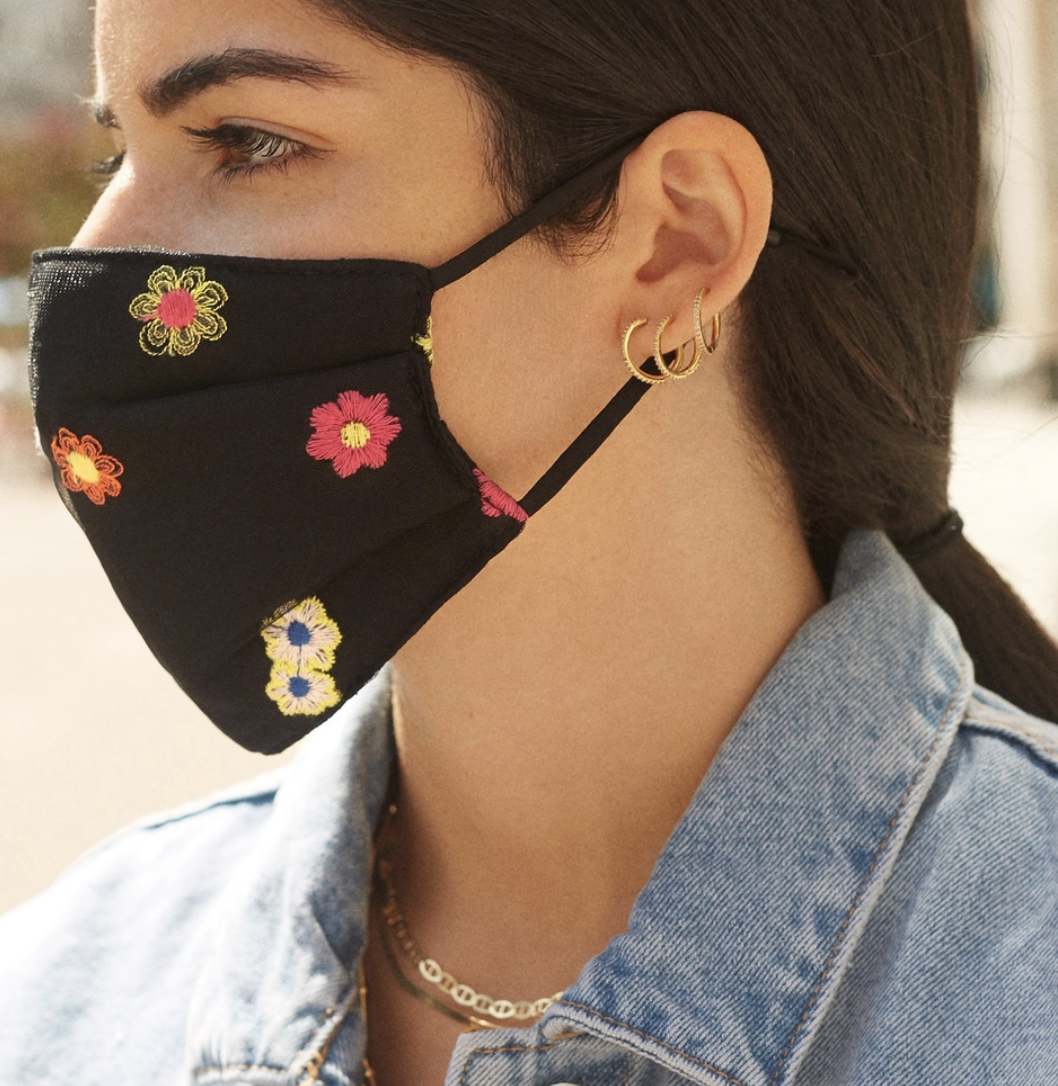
(863, 892)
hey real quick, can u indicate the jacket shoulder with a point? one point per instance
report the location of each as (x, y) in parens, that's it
(124, 930)
(989, 714)
(954, 978)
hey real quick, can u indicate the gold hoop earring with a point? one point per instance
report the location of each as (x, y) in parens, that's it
(677, 371)
(699, 331)
(626, 348)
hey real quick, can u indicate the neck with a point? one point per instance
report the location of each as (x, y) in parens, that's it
(556, 717)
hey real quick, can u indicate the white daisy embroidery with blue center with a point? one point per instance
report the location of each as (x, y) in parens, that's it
(301, 641)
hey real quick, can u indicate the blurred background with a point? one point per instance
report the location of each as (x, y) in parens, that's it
(93, 733)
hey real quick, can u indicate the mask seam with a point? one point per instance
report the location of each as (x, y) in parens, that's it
(340, 268)
(275, 378)
(456, 458)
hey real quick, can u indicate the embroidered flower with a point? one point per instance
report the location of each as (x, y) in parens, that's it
(426, 341)
(179, 310)
(300, 640)
(84, 467)
(301, 692)
(303, 636)
(353, 433)
(496, 502)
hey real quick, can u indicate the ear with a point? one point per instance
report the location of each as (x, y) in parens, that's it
(694, 209)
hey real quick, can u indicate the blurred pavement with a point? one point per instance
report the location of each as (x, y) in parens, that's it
(93, 733)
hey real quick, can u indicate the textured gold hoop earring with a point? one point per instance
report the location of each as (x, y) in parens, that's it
(677, 371)
(699, 331)
(626, 349)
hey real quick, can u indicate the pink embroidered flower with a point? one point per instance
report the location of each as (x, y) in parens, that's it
(353, 433)
(496, 502)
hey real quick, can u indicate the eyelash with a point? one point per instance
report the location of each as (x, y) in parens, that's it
(279, 152)
(106, 167)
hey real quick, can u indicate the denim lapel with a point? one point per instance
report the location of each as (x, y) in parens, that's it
(289, 930)
(738, 941)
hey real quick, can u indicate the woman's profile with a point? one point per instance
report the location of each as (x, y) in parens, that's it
(547, 406)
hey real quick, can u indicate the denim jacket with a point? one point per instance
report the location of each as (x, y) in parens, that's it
(864, 891)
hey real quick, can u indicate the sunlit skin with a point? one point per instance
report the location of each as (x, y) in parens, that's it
(555, 718)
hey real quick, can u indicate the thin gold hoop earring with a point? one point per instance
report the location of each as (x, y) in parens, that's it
(699, 331)
(677, 371)
(626, 348)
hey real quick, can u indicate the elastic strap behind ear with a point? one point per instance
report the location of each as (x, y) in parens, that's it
(526, 222)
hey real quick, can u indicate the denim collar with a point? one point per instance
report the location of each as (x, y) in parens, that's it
(735, 947)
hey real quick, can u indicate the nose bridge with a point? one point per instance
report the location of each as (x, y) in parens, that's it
(109, 221)
(131, 211)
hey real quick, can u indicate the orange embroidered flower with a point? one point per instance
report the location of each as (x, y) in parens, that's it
(179, 310)
(85, 470)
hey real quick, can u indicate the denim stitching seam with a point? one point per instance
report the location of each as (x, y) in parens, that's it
(498, 1052)
(862, 891)
(973, 718)
(656, 1040)
(201, 1072)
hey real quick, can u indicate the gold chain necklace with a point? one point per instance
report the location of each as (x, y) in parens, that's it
(369, 1071)
(431, 971)
(468, 1021)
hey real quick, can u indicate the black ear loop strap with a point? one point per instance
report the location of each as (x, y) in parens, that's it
(610, 417)
(527, 221)
(586, 444)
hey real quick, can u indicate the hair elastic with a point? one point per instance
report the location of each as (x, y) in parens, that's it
(931, 543)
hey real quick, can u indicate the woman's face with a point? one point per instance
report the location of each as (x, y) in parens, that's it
(261, 128)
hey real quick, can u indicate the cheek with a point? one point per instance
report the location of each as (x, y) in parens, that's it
(520, 364)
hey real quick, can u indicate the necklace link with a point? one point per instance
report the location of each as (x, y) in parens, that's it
(430, 970)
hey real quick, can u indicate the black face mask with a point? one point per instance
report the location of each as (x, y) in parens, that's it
(254, 450)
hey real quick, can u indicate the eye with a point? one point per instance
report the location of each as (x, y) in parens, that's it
(246, 150)
(106, 167)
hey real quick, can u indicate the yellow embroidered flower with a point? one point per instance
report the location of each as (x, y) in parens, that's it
(301, 692)
(303, 635)
(179, 310)
(425, 342)
(300, 640)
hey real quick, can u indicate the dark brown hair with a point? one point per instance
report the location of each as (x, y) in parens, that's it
(868, 113)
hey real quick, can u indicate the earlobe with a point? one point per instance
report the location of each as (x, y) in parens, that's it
(696, 209)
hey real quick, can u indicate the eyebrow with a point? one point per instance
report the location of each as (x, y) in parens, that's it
(170, 91)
